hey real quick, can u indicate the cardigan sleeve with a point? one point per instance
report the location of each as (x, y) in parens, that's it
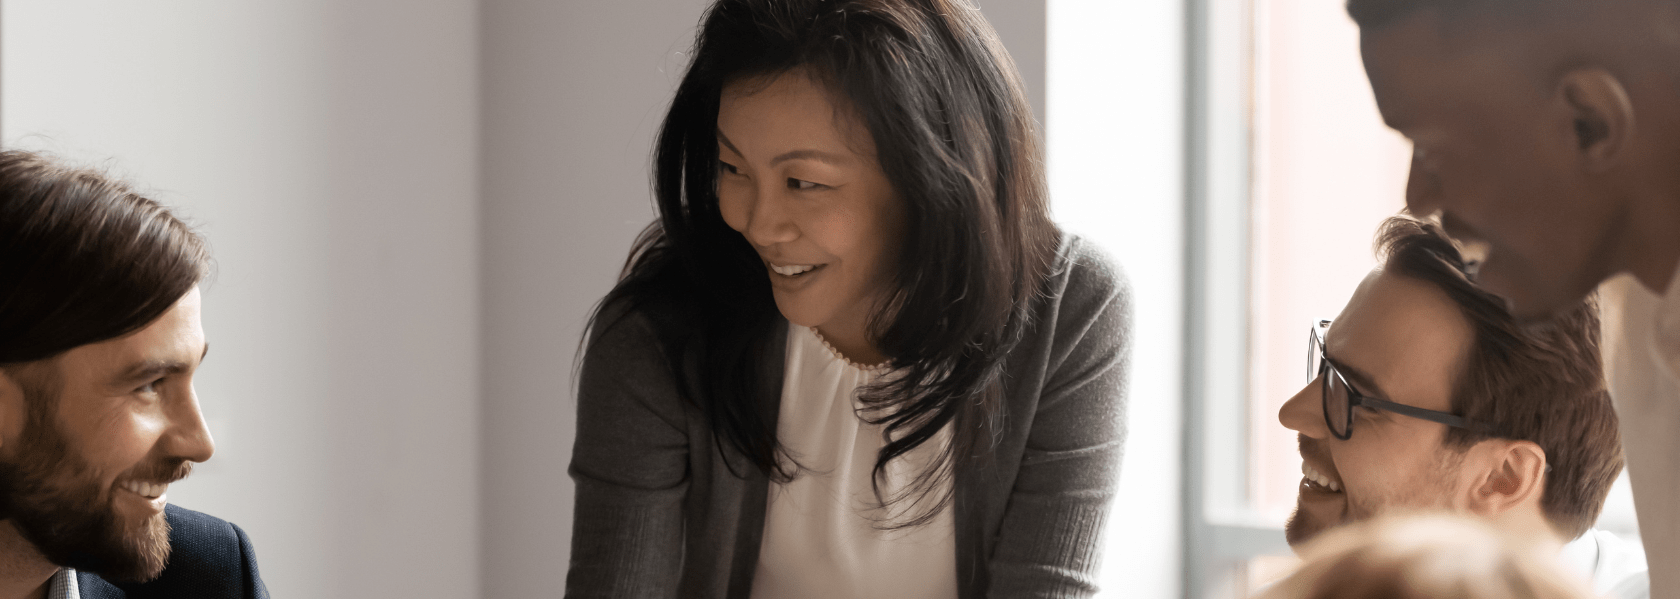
(630, 466)
(1049, 542)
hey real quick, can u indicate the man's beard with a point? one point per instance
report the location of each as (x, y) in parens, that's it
(1302, 527)
(1431, 494)
(58, 503)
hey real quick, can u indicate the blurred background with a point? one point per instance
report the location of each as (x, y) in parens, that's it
(414, 204)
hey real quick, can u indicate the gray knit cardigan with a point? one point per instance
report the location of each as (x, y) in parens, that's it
(659, 514)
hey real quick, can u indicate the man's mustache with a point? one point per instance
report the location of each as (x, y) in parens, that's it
(1311, 449)
(163, 471)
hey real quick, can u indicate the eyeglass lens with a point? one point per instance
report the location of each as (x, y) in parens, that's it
(1333, 388)
(1336, 410)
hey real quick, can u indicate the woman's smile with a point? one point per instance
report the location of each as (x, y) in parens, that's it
(793, 270)
(795, 278)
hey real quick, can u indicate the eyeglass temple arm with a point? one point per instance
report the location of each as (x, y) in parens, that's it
(1430, 415)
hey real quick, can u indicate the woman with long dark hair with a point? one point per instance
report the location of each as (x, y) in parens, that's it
(853, 357)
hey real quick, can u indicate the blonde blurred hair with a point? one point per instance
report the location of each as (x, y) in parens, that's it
(1416, 557)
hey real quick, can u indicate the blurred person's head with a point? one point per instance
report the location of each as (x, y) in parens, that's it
(1544, 131)
(1425, 557)
(99, 338)
(1464, 409)
(867, 168)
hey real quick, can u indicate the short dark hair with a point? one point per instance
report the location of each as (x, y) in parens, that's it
(956, 138)
(83, 258)
(1541, 382)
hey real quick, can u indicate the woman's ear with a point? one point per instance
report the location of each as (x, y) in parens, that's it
(1508, 474)
(1602, 115)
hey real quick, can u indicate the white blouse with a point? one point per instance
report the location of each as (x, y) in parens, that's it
(823, 532)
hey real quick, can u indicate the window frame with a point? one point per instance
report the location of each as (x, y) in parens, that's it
(1221, 531)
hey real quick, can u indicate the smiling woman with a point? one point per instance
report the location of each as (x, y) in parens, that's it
(823, 218)
(853, 357)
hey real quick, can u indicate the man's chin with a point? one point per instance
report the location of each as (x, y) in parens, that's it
(1534, 295)
(147, 552)
(1314, 514)
(138, 553)
(1300, 528)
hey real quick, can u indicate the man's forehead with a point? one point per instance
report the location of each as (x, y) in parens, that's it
(1400, 60)
(1405, 334)
(1423, 66)
(176, 338)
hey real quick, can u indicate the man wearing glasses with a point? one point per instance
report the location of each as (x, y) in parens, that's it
(1427, 395)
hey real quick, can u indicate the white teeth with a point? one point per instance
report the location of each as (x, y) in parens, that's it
(147, 490)
(1322, 480)
(793, 269)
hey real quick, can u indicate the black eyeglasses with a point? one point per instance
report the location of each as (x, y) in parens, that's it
(1340, 398)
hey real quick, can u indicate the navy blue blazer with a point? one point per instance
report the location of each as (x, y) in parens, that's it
(209, 558)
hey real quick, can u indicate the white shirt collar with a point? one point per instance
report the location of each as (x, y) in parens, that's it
(63, 585)
(1616, 567)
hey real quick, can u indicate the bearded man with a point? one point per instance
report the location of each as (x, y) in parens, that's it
(100, 336)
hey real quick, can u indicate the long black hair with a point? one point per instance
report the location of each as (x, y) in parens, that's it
(956, 139)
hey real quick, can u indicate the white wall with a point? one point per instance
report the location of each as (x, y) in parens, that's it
(573, 93)
(1022, 27)
(327, 148)
(1116, 164)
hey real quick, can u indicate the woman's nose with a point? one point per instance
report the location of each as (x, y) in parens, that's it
(770, 222)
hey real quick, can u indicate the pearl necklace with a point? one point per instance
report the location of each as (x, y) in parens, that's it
(872, 369)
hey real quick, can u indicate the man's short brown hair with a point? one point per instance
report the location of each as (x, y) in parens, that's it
(1541, 382)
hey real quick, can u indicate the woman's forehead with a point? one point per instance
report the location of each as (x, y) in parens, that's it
(789, 109)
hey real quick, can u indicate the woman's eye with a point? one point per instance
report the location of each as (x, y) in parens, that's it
(793, 183)
(728, 168)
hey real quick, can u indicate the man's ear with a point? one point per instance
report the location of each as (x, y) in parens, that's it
(1602, 114)
(1508, 474)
